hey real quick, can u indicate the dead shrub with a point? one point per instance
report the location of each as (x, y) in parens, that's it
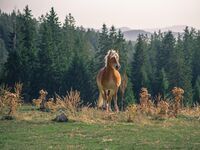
(40, 102)
(69, 103)
(178, 97)
(10, 101)
(131, 112)
(146, 104)
(163, 106)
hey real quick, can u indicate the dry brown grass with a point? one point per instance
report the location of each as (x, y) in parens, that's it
(178, 97)
(10, 101)
(71, 106)
(69, 103)
(40, 102)
(163, 106)
(146, 105)
(191, 112)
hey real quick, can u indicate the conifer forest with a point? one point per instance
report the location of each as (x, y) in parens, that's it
(43, 53)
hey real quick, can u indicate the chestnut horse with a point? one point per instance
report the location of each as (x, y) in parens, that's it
(109, 80)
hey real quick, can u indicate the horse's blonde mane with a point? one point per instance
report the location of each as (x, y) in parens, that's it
(111, 53)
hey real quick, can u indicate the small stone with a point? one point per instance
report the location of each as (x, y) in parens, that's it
(61, 118)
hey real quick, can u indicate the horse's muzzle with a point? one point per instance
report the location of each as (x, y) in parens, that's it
(117, 67)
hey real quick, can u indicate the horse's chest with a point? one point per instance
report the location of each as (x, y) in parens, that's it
(109, 81)
(110, 84)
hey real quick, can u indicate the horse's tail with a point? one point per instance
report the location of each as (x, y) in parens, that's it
(100, 100)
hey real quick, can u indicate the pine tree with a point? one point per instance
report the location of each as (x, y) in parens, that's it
(78, 78)
(139, 69)
(197, 90)
(3, 58)
(154, 69)
(50, 53)
(164, 84)
(104, 46)
(22, 51)
(164, 48)
(196, 60)
(188, 45)
(112, 38)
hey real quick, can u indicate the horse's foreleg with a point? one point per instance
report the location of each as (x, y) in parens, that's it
(115, 102)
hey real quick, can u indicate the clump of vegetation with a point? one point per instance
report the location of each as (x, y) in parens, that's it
(40, 102)
(10, 101)
(162, 106)
(69, 103)
(178, 97)
(146, 104)
(131, 112)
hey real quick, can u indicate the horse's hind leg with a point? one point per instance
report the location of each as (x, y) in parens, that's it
(115, 101)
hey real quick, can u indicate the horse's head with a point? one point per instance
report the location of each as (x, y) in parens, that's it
(112, 59)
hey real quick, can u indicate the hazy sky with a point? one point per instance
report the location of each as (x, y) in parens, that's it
(130, 13)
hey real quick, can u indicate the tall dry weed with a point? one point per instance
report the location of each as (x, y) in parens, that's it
(178, 97)
(146, 104)
(10, 101)
(163, 106)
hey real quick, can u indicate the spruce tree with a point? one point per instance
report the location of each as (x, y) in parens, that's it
(3, 58)
(197, 91)
(139, 69)
(50, 53)
(104, 46)
(22, 52)
(153, 61)
(196, 60)
(78, 78)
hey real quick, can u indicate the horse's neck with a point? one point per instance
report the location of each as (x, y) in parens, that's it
(110, 69)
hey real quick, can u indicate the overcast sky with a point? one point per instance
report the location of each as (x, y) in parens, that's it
(130, 13)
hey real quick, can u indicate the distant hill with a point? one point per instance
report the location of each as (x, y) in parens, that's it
(133, 34)
(175, 28)
(124, 29)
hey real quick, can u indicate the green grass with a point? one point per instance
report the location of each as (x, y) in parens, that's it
(179, 133)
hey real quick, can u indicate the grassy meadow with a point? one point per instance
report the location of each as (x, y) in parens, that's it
(33, 129)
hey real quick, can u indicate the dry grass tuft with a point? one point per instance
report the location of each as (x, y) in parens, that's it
(131, 112)
(71, 102)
